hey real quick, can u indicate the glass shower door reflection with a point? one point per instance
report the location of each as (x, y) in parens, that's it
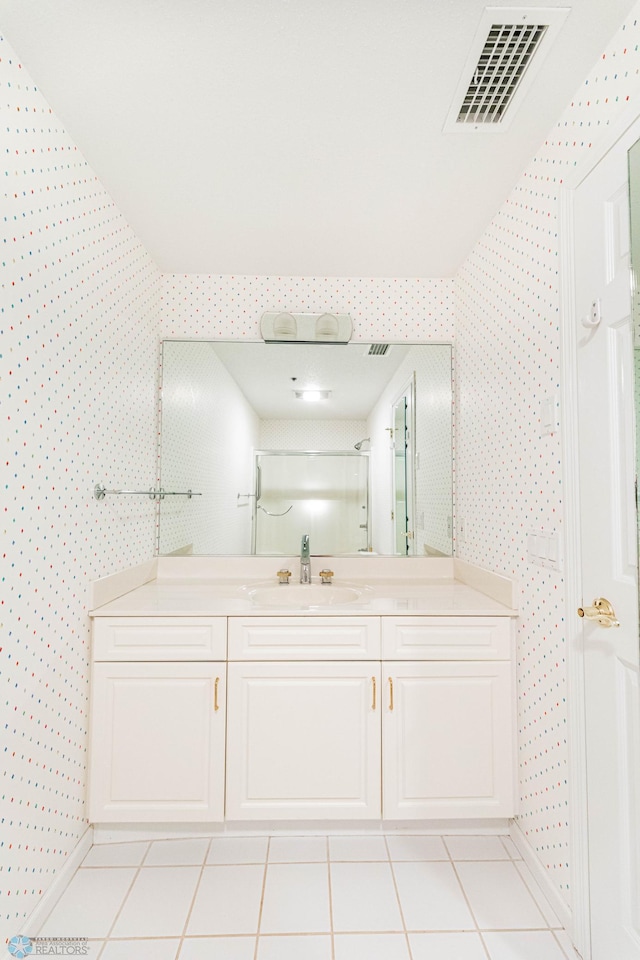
(323, 494)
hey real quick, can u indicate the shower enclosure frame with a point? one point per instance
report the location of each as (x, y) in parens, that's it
(315, 453)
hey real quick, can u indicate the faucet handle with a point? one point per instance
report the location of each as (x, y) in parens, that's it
(325, 576)
(283, 576)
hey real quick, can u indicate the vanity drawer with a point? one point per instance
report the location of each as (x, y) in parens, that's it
(446, 638)
(159, 638)
(304, 638)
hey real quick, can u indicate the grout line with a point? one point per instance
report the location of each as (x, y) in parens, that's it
(395, 887)
(262, 893)
(193, 898)
(125, 898)
(467, 901)
(333, 942)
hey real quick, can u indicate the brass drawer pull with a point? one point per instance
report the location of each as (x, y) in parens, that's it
(373, 687)
(390, 694)
(216, 705)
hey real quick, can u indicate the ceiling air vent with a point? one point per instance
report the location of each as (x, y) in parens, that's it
(377, 349)
(507, 52)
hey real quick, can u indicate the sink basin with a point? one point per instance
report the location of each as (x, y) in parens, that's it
(300, 596)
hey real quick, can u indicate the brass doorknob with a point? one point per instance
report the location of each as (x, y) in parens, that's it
(601, 611)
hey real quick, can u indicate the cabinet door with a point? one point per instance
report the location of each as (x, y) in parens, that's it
(157, 742)
(447, 740)
(303, 741)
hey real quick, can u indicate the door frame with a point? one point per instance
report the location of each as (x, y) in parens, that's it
(409, 393)
(622, 133)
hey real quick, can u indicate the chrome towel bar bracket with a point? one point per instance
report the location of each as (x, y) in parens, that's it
(100, 492)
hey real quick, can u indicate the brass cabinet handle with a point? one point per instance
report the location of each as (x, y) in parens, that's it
(373, 693)
(390, 694)
(601, 611)
(216, 705)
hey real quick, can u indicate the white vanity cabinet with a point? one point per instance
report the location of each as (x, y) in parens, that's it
(158, 720)
(448, 717)
(303, 737)
(447, 742)
(303, 741)
(341, 717)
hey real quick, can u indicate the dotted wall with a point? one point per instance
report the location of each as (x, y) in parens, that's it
(78, 365)
(80, 304)
(382, 309)
(311, 434)
(508, 476)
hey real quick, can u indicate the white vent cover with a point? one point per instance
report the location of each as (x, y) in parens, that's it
(507, 52)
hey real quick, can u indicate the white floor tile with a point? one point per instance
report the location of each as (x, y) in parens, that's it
(294, 948)
(90, 903)
(364, 898)
(141, 950)
(544, 906)
(523, 945)
(228, 900)
(498, 896)
(431, 897)
(371, 946)
(172, 853)
(476, 848)
(447, 946)
(217, 948)
(238, 850)
(93, 949)
(357, 848)
(296, 899)
(159, 902)
(115, 855)
(417, 848)
(298, 850)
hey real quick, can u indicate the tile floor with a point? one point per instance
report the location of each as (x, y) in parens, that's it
(393, 897)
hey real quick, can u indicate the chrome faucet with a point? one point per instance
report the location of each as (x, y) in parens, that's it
(305, 562)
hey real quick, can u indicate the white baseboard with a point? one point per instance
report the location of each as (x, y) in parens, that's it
(45, 905)
(127, 832)
(542, 878)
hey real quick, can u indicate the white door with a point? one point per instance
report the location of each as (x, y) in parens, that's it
(303, 741)
(447, 741)
(157, 742)
(608, 546)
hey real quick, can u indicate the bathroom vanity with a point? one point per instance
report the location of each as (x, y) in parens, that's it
(220, 694)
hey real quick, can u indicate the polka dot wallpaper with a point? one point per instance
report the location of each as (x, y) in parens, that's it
(78, 344)
(507, 347)
(81, 314)
(223, 306)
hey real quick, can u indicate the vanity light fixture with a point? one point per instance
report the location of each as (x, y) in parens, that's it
(312, 395)
(306, 327)
(285, 327)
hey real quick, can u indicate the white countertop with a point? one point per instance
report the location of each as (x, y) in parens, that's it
(205, 597)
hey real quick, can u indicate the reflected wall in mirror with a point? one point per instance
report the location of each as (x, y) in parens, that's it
(365, 470)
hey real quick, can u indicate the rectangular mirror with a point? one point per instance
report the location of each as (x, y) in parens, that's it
(351, 444)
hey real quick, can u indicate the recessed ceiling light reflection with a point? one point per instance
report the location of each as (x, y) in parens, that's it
(312, 395)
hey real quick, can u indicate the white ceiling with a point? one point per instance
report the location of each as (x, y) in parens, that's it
(272, 137)
(269, 373)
